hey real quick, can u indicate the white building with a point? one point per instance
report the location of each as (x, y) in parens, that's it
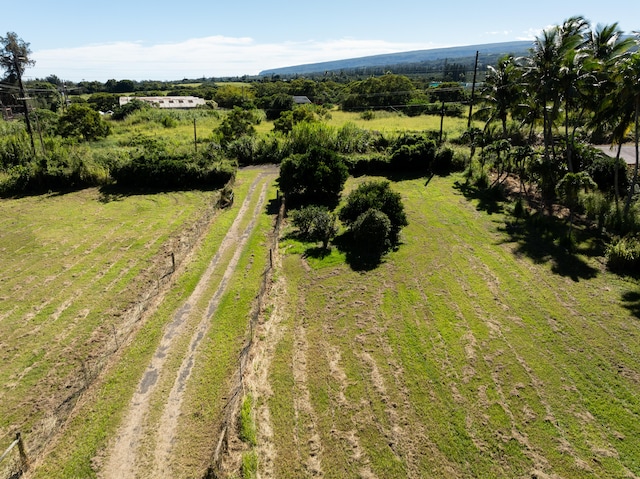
(166, 101)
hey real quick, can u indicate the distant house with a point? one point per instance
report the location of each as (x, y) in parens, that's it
(166, 101)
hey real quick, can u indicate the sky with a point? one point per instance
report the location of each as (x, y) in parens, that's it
(162, 40)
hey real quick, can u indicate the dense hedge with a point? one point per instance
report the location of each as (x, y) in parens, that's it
(165, 170)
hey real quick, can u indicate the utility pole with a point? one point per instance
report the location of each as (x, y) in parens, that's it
(24, 103)
(473, 90)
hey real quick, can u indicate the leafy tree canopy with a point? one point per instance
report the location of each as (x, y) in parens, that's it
(82, 121)
(376, 195)
(317, 176)
(14, 55)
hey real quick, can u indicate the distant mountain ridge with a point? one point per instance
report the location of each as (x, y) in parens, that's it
(486, 52)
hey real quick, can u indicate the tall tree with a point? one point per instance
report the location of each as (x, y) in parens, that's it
(552, 70)
(607, 48)
(14, 56)
(628, 100)
(501, 91)
(572, 75)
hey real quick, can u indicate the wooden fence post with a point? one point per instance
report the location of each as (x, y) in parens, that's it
(24, 460)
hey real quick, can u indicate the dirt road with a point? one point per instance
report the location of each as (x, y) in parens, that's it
(144, 444)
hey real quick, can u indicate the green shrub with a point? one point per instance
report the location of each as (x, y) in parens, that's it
(596, 207)
(306, 135)
(352, 139)
(443, 161)
(168, 121)
(165, 170)
(376, 195)
(64, 168)
(314, 223)
(372, 233)
(623, 255)
(368, 115)
(122, 112)
(413, 153)
(317, 177)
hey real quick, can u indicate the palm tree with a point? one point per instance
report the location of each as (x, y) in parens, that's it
(606, 47)
(500, 91)
(553, 69)
(628, 100)
(572, 75)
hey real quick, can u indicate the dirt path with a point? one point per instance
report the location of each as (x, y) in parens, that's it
(126, 458)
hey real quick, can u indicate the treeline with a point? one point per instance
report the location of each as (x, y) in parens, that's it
(417, 94)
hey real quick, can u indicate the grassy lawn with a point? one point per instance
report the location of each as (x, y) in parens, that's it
(69, 263)
(467, 353)
(96, 420)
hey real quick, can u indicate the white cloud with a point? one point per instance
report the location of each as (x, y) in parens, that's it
(532, 33)
(504, 33)
(214, 56)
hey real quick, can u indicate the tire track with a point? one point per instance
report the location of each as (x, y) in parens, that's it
(169, 421)
(124, 455)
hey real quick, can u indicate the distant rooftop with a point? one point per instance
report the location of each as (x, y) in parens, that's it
(166, 101)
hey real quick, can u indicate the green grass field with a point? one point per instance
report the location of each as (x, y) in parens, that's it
(480, 348)
(73, 264)
(476, 350)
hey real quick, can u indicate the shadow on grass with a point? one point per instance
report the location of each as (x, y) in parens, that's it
(113, 193)
(540, 237)
(490, 200)
(357, 256)
(544, 239)
(631, 301)
(317, 252)
(273, 206)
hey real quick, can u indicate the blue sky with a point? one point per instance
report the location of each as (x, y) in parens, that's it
(164, 40)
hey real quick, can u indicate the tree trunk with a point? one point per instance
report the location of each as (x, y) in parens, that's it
(616, 175)
(635, 169)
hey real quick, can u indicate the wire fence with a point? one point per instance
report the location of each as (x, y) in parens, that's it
(157, 277)
(14, 461)
(231, 408)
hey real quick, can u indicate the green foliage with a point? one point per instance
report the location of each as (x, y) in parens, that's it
(104, 101)
(313, 177)
(352, 139)
(15, 148)
(159, 168)
(372, 234)
(596, 207)
(412, 153)
(64, 168)
(246, 425)
(82, 121)
(379, 93)
(249, 467)
(602, 168)
(623, 255)
(252, 150)
(232, 96)
(236, 123)
(568, 189)
(276, 105)
(299, 114)
(448, 92)
(376, 195)
(314, 223)
(46, 122)
(122, 112)
(305, 135)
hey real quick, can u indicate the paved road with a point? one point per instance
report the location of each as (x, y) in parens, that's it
(628, 153)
